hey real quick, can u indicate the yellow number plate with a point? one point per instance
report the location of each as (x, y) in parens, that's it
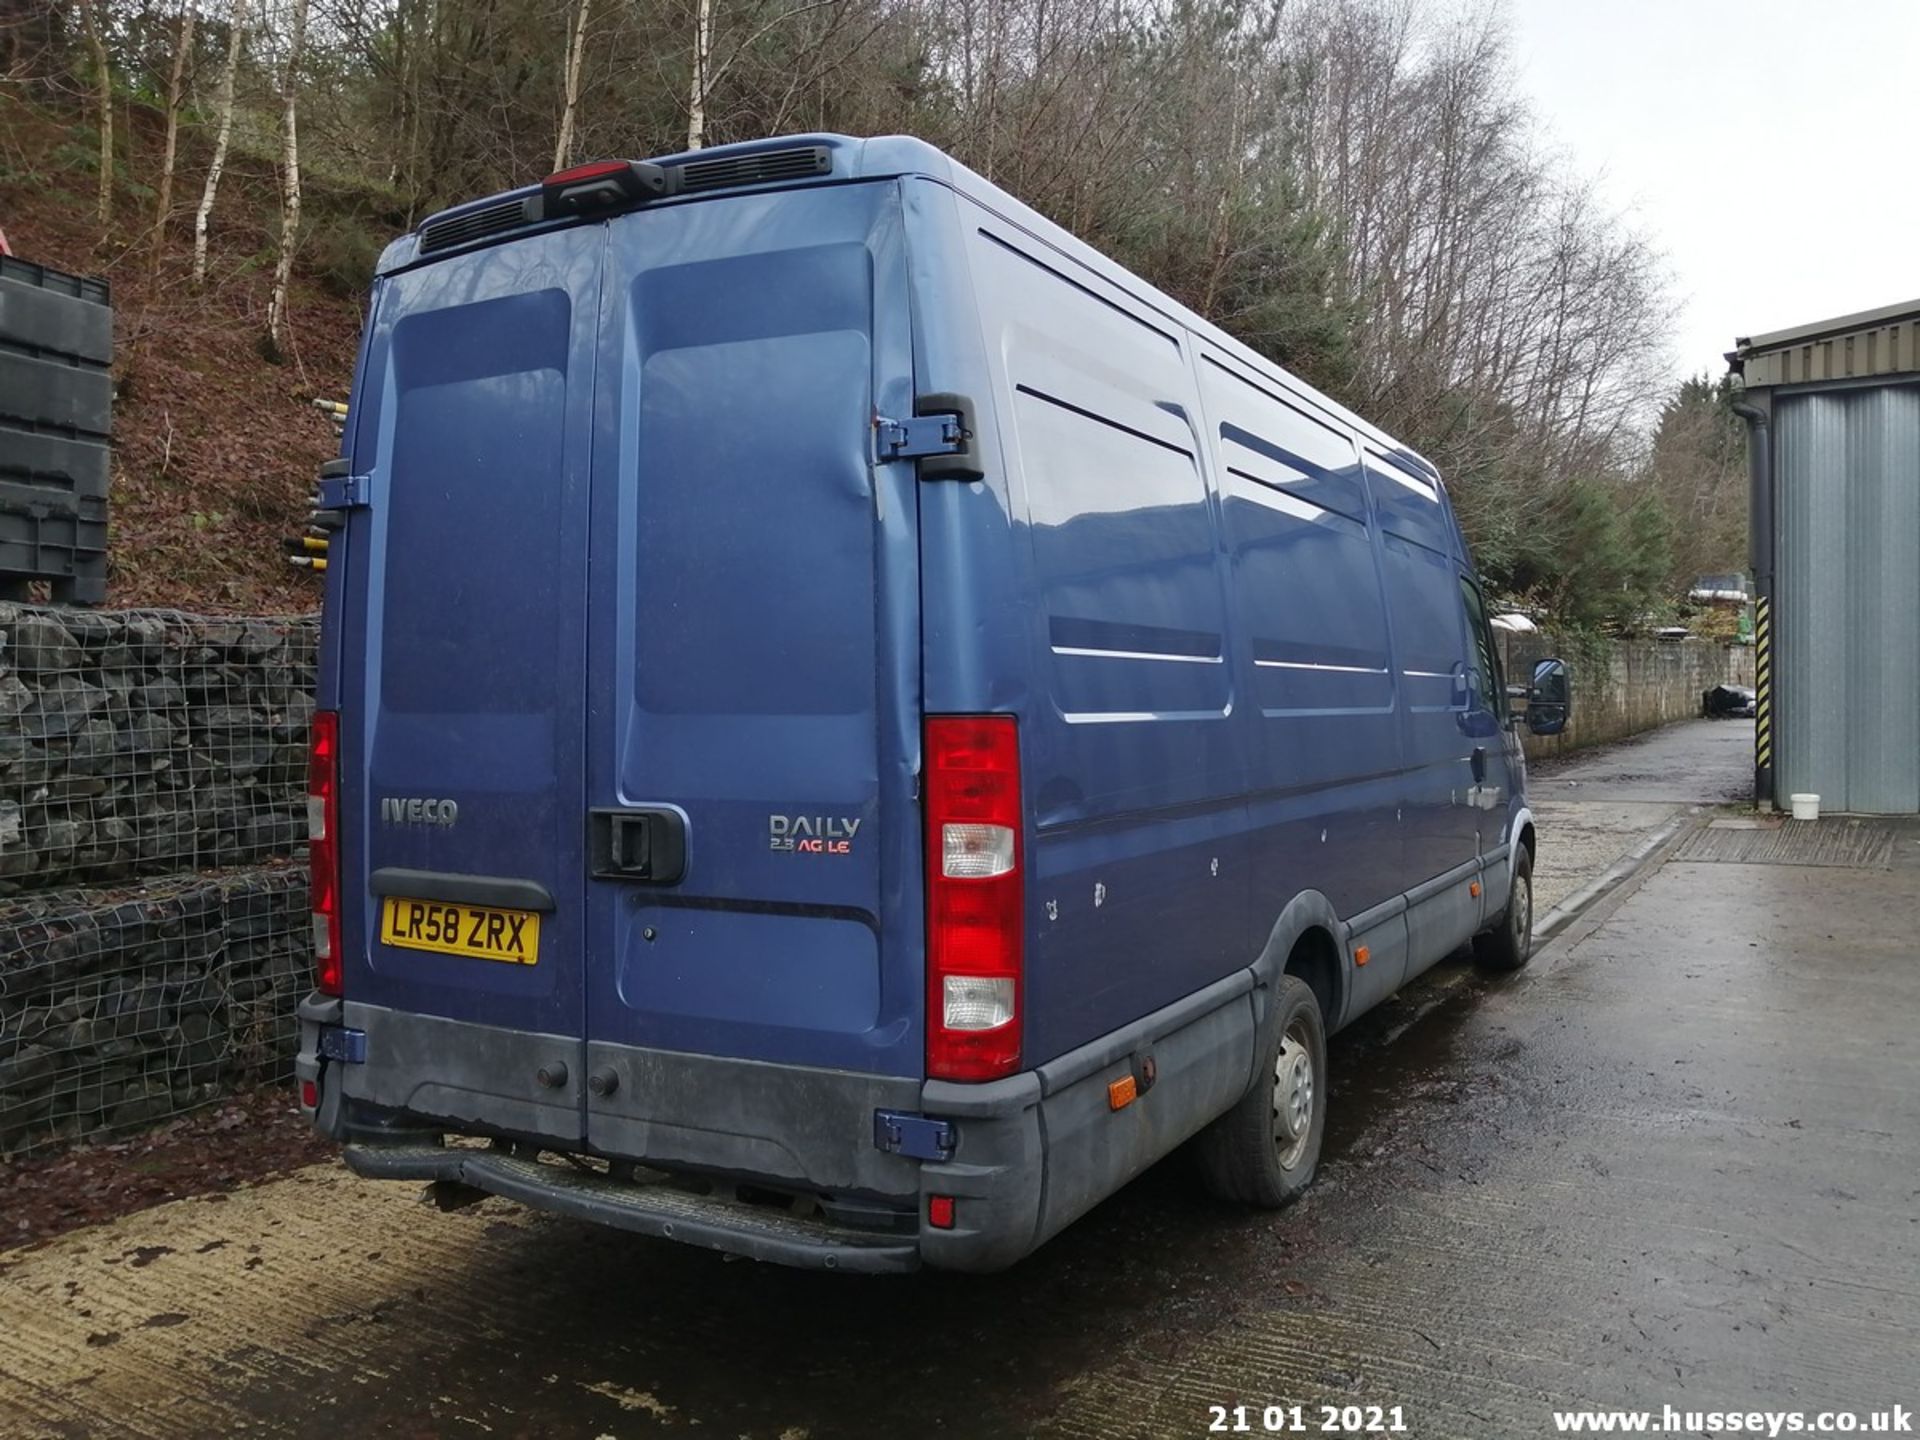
(512, 936)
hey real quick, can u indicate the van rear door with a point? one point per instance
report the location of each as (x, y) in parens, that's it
(463, 689)
(754, 672)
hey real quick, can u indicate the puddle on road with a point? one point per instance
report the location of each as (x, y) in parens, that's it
(1397, 1055)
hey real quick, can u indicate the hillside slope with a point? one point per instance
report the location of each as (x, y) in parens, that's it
(215, 446)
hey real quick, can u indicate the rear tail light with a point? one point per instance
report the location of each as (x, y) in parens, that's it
(976, 922)
(323, 848)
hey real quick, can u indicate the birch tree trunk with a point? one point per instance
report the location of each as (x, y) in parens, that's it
(103, 81)
(290, 201)
(163, 205)
(702, 60)
(223, 107)
(563, 147)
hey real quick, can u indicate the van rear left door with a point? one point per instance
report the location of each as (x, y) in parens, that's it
(462, 694)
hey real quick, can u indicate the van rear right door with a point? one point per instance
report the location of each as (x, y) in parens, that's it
(753, 683)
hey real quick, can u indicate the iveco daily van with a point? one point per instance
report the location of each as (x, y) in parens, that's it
(850, 725)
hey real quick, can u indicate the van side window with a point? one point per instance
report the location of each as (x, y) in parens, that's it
(1486, 677)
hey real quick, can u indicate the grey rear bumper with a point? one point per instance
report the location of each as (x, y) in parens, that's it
(656, 1209)
(1032, 1152)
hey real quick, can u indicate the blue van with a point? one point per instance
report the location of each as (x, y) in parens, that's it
(850, 725)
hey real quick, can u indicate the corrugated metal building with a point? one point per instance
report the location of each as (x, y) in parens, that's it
(1833, 411)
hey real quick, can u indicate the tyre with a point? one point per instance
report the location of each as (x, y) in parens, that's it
(1509, 944)
(1264, 1150)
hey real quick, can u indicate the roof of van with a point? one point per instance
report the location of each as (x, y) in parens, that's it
(890, 156)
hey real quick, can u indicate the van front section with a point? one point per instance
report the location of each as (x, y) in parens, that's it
(618, 779)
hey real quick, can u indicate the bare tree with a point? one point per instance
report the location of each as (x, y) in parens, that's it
(223, 109)
(700, 85)
(563, 146)
(176, 78)
(103, 91)
(290, 178)
(707, 74)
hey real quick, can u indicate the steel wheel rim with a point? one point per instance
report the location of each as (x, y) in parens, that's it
(1295, 1087)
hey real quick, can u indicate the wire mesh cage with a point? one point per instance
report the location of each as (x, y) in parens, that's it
(154, 930)
(118, 1010)
(149, 742)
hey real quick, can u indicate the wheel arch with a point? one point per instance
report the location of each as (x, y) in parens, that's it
(1523, 834)
(1309, 940)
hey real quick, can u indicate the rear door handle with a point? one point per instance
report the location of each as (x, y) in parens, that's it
(644, 844)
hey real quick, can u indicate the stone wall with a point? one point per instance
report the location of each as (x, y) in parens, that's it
(1631, 686)
(153, 915)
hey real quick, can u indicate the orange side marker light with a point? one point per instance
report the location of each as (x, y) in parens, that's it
(1474, 889)
(1361, 954)
(1121, 1092)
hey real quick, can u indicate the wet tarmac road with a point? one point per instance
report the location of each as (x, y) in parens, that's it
(1678, 1161)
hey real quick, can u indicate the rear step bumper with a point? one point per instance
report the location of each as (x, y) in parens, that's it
(647, 1209)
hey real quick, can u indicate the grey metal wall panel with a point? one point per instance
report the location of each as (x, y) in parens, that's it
(1847, 603)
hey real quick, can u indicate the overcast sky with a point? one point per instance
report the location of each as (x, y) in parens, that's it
(1766, 146)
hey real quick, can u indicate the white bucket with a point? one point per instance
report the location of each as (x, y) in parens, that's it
(1805, 807)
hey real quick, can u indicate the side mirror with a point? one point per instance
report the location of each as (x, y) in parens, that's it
(1549, 697)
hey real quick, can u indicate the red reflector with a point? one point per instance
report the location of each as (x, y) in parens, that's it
(976, 922)
(591, 171)
(940, 1211)
(323, 848)
(309, 1094)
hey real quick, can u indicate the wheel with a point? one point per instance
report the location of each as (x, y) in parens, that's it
(1263, 1151)
(1509, 945)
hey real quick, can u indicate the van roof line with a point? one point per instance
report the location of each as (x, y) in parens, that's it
(894, 156)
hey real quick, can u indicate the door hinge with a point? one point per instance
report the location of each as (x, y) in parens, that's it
(940, 436)
(921, 436)
(340, 489)
(349, 1047)
(919, 1137)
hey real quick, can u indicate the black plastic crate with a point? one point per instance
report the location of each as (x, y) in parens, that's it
(56, 417)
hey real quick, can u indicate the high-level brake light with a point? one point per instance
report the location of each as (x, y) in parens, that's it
(601, 185)
(975, 917)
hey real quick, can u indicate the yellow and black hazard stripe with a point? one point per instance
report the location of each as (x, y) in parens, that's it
(1763, 683)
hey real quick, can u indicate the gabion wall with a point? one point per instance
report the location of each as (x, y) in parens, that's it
(154, 936)
(148, 742)
(115, 1013)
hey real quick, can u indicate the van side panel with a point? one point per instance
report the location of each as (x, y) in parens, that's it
(976, 574)
(1418, 541)
(1325, 699)
(1134, 761)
